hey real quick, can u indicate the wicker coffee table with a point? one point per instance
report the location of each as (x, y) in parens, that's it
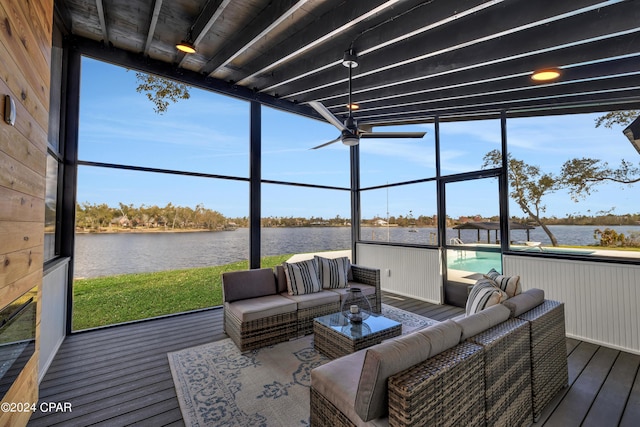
(335, 336)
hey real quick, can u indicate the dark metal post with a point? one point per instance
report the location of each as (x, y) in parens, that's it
(441, 209)
(71, 106)
(255, 174)
(503, 186)
(442, 217)
(354, 154)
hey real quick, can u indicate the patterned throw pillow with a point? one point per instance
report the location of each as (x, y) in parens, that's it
(333, 272)
(510, 284)
(302, 277)
(484, 294)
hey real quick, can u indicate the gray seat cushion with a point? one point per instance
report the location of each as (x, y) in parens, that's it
(337, 381)
(258, 308)
(525, 301)
(480, 322)
(314, 299)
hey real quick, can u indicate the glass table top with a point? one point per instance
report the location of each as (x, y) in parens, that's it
(373, 324)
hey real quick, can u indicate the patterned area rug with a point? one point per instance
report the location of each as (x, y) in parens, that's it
(218, 386)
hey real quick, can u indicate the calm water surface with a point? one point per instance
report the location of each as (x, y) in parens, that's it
(108, 254)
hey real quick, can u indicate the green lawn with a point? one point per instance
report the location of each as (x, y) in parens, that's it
(115, 299)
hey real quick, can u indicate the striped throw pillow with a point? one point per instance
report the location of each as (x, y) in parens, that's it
(510, 284)
(484, 294)
(302, 277)
(333, 272)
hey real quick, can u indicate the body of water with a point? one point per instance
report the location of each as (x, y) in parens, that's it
(109, 254)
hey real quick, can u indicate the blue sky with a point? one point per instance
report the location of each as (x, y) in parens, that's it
(209, 133)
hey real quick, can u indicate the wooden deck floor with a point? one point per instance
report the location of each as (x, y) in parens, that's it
(120, 376)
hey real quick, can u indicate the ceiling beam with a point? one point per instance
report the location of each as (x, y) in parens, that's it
(513, 88)
(421, 32)
(103, 22)
(492, 59)
(621, 58)
(343, 18)
(208, 16)
(269, 18)
(517, 96)
(157, 4)
(594, 101)
(413, 20)
(535, 32)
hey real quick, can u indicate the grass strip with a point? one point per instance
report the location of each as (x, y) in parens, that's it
(109, 300)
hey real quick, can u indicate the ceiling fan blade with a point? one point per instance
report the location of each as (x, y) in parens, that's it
(324, 112)
(327, 143)
(392, 134)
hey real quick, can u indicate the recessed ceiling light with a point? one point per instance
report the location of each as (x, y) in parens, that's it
(353, 106)
(546, 74)
(186, 47)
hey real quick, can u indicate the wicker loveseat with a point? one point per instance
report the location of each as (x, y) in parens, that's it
(258, 310)
(501, 366)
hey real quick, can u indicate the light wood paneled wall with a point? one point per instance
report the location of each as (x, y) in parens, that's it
(25, 55)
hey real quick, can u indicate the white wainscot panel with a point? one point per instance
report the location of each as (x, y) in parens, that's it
(411, 272)
(52, 315)
(601, 299)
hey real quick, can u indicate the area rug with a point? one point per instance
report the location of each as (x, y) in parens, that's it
(216, 385)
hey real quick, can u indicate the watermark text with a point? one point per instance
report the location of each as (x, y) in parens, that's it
(45, 407)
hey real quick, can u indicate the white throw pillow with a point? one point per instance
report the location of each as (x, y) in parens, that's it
(484, 294)
(302, 277)
(510, 284)
(333, 272)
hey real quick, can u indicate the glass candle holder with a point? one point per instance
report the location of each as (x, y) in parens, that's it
(355, 307)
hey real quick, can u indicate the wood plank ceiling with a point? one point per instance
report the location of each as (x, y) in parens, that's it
(417, 59)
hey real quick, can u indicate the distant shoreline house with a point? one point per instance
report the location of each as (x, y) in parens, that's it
(121, 221)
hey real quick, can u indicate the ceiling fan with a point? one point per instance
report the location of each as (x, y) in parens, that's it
(350, 132)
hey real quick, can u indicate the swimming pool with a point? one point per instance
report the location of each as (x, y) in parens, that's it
(482, 262)
(476, 262)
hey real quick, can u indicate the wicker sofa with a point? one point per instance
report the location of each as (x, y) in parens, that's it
(501, 366)
(258, 310)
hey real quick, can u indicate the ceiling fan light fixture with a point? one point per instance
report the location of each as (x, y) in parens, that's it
(546, 74)
(186, 47)
(350, 59)
(350, 140)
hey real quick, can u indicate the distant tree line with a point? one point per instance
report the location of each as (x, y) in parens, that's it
(102, 217)
(98, 217)
(600, 219)
(93, 217)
